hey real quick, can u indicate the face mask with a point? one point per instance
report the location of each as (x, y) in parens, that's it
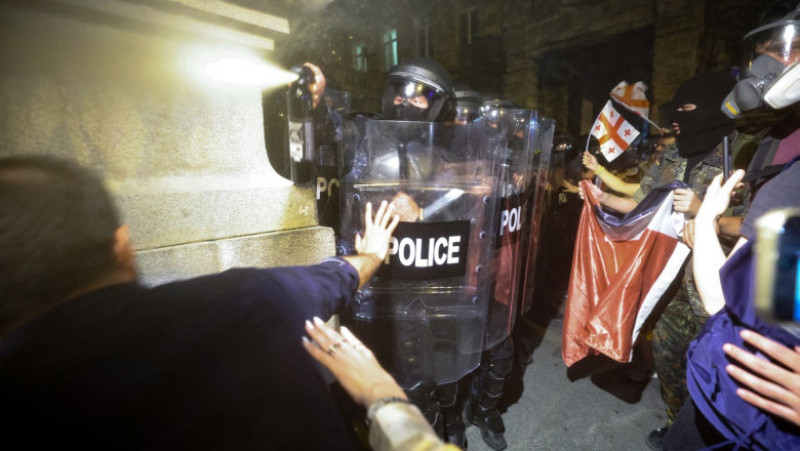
(407, 112)
(749, 93)
(703, 127)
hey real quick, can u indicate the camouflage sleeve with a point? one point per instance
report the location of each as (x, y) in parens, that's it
(648, 181)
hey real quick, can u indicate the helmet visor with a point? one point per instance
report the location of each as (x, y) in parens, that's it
(781, 42)
(416, 94)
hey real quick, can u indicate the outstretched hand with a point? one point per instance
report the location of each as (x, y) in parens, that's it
(373, 246)
(352, 363)
(377, 232)
(770, 387)
(568, 187)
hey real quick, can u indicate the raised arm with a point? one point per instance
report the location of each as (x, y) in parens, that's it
(611, 180)
(708, 255)
(620, 204)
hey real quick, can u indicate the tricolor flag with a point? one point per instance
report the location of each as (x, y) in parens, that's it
(613, 132)
(620, 269)
(632, 97)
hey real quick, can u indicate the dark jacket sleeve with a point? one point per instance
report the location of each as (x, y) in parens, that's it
(318, 290)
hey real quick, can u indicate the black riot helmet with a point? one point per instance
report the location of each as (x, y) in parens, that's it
(468, 103)
(419, 89)
(562, 143)
(503, 115)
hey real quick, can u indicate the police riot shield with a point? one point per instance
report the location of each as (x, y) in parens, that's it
(424, 313)
(517, 195)
(542, 148)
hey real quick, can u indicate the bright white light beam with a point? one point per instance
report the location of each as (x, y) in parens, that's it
(248, 72)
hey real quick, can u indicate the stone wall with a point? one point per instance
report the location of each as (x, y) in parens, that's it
(559, 56)
(679, 32)
(111, 85)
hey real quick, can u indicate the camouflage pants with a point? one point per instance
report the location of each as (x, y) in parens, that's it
(678, 325)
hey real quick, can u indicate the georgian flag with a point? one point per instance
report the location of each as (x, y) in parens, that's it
(632, 97)
(613, 132)
(620, 270)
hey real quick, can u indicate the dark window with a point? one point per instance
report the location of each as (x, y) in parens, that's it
(360, 57)
(390, 48)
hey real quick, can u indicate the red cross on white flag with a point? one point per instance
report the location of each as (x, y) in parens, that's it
(632, 97)
(613, 132)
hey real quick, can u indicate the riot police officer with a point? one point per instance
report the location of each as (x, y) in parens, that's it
(496, 362)
(418, 90)
(468, 104)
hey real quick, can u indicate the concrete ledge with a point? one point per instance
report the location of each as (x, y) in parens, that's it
(295, 247)
(159, 219)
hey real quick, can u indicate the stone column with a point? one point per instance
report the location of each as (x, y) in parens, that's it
(112, 85)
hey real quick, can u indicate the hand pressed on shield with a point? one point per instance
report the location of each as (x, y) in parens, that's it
(770, 387)
(377, 231)
(352, 363)
(374, 245)
(406, 207)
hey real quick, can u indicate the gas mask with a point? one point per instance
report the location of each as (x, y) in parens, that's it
(749, 92)
(772, 78)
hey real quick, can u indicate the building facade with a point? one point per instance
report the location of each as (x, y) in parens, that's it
(561, 57)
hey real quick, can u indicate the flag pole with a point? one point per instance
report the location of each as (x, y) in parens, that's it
(658, 127)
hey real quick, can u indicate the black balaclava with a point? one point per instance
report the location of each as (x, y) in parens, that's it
(704, 127)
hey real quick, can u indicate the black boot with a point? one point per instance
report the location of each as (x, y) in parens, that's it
(487, 388)
(424, 396)
(490, 424)
(454, 429)
(452, 409)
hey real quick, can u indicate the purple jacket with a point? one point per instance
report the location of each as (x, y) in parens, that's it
(712, 389)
